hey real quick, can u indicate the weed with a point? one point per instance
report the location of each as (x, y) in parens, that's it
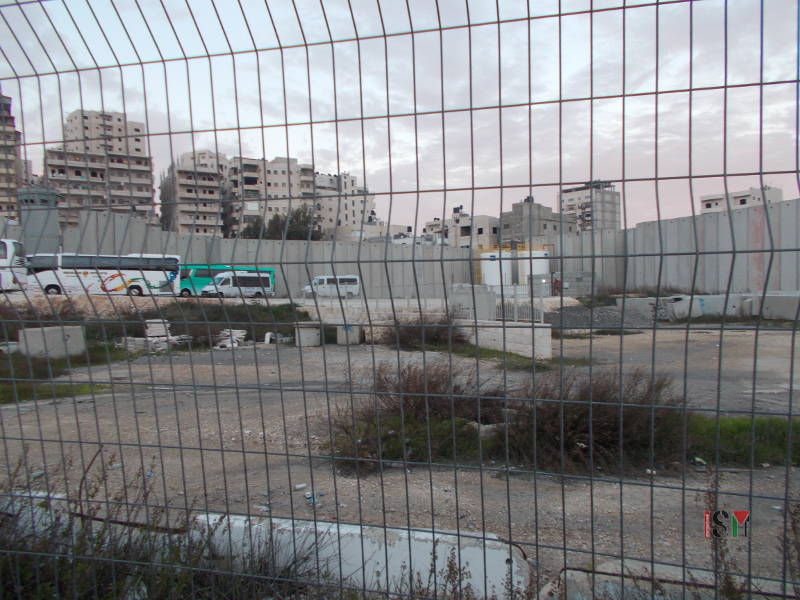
(620, 331)
(744, 321)
(574, 421)
(203, 320)
(25, 378)
(568, 334)
(91, 546)
(425, 333)
(737, 442)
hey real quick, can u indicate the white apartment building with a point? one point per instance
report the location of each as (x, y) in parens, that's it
(753, 196)
(463, 230)
(103, 163)
(193, 192)
(594, 205)
(9, 160)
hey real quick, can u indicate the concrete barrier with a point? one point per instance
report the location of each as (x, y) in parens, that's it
(533, 340)
(376, 558)
(348, 335)
(307, 334)
(52, 342)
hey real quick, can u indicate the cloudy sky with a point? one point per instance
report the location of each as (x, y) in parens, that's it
(433, 104)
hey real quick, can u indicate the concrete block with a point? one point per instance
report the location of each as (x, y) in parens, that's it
(307, 334)
(511, 337)
(776, 306)
(381, 558)
(481, 306)
(52, 342)
(348, 335)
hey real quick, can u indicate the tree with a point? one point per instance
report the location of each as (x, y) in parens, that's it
(301, 221)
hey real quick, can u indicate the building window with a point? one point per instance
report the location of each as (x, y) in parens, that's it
(742, 201)
(708, 204)
(480, 230)
(494, 229)
(544, 226)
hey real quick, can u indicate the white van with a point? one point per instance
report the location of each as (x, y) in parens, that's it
(246, 284)
(348, 286)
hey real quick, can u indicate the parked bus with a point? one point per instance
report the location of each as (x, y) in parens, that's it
(13, 271)
(132, 274)
(245, 284)
(195, 277)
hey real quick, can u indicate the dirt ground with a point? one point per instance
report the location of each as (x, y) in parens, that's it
(237, 430)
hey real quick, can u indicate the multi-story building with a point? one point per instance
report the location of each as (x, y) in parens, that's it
(194, 192)
(9, 160)
(260, 188)
(463, 230)
(341, 205)
(594, 205)
(528, 219)
(753, 196)
(103, 164)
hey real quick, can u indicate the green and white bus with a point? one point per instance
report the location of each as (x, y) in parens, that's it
(195, 277)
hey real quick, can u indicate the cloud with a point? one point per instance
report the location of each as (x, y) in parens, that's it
(222, 102)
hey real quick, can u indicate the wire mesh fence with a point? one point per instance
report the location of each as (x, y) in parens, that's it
(377, 299)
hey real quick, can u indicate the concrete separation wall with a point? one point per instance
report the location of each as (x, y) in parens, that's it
(666, 253)
(386, 270)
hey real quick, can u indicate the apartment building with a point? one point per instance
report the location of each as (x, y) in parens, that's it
(753, 196)
(528, 219)
(10, 164)
(194, 193)
(341, 205)
(463, 230)
(103, 164)
(594, 205)
(259, 188)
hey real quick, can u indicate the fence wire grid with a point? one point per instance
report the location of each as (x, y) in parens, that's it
(399, 299)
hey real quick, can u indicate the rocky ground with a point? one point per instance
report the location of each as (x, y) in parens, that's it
(238, 430)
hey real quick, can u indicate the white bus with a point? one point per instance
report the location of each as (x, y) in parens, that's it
(348, 286)
(131, 274)
(13, 271)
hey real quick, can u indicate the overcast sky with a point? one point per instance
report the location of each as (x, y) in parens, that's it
(489, 127)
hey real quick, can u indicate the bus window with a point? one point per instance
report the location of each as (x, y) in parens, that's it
(37, 264)
(3, 251)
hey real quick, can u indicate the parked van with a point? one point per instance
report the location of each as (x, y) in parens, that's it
(246, 284)
(348, 286)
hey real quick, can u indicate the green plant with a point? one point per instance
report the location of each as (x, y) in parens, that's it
(425, 333)
(25, 378)
(766, 438)
(96, 546)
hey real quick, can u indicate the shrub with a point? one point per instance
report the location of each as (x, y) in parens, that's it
(203, 320)
(416, 413)
(566, 422)
(578, 421)
(425, 333)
